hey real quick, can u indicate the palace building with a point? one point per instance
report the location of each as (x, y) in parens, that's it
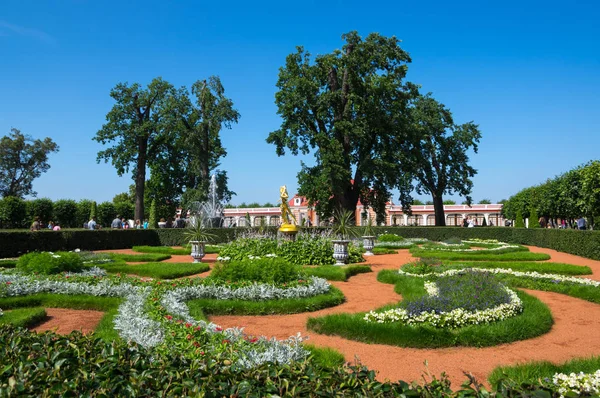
(422, 215)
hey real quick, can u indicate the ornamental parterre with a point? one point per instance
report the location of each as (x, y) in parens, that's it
(456, 318)
(154, 314)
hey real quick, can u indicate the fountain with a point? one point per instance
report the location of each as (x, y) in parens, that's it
(210, 212)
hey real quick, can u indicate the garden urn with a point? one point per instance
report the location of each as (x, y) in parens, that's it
(197, 250)
(368, 244)
(340, 251)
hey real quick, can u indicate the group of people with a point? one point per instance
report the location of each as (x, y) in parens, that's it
(469, 222)
(179, 222)
(36, 225)
(580, 223)
(122, 223)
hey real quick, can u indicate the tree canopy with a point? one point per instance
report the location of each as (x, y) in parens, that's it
(136, 127)
(569, 196)
(438, 153)
(22, 160)
(348, 108)
(162, 129)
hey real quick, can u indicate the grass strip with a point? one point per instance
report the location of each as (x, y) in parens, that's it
(474, 256)
(148, 257)
(588, 293)
(334, 273)
(382, 250)
(8, 263)
(199, 308)
(539, 370)
(76, 302)
(524, 266)
(157, 270)
(535, 320)
(325, 356)
(24, 317)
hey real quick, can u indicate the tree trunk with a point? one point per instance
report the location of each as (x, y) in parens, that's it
(438, 207)
(140, 178)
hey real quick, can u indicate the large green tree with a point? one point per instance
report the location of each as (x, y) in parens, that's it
(137, 127)
(22, 160)
(438, 153)
(205, 114)
(348, 108)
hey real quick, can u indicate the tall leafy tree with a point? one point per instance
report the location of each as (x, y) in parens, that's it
(137, 127)
(438, 153)
(348, 108)
(207, 115)
(195, 154)
(22, 160)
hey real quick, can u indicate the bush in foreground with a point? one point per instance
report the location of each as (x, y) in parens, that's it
(51, 365)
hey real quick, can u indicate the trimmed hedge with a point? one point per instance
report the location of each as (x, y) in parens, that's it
(16, 242)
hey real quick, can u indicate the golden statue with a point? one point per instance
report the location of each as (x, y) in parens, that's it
(288, 221)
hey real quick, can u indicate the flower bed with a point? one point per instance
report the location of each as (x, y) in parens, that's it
(154, 313)
(455, 302)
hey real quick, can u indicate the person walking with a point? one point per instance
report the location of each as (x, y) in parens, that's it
(581, 223)
(92, 224)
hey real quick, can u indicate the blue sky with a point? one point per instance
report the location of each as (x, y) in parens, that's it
(528, 74)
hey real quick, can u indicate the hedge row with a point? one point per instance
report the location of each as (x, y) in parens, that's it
(14, 243)
(580, 243)
(17, 242)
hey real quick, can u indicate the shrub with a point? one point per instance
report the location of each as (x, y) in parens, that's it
(106, 213)
(519, 223)
(389, 238)
(264, 270)
(534, 219)
(65, 213)
(84, 210)
(13, 213)
(50, 263)
(93, 210)
(42, 208)
(153, 220)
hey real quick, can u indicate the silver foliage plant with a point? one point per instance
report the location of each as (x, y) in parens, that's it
(135, 324)
(262, 351)
(254, 292)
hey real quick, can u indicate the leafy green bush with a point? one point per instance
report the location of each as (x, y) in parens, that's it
(13, 213)
(265, 270)
(84, 210)
(65, 213)
(534, 221)
(42, 208)
(389, 238)
(123, 369)
(307, 249)
(50, 263)
(519, 222)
